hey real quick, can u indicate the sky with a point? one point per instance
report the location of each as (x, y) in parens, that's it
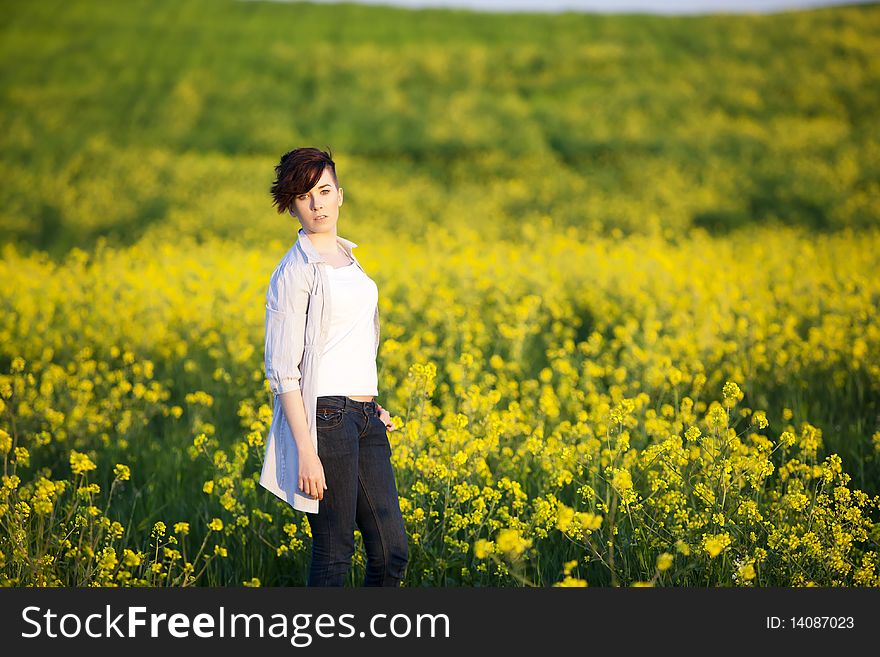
(617, 6)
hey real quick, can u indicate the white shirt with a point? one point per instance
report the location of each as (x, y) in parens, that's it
(348, 362)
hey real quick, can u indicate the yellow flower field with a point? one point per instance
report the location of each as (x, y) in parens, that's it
(603, 411)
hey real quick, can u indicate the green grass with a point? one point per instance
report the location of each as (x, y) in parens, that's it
(116, 121)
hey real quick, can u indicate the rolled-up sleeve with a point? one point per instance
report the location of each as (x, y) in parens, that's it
(287, 302)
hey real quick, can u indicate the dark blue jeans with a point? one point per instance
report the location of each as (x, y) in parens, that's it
(356, 456)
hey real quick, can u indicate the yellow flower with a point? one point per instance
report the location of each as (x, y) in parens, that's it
(80, 463)
(512, 543)
(591, 521)
(216, 525)
(5, 442)
(130, 558)
(564, 516)
(621, 480)
(220, 550)
(570, 581)
(181, 528)
(747, 571)
(664, 561)
(122, 472)
(731, 393)
(787, 439)
(568, 566)
(760, 418)
(22, 456)
(716, 544)
(107, 560)
(483, 548)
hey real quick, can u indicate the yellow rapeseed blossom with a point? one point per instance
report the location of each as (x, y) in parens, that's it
(215, 525)
(80, 463)
(621, 480)
(716, 544)
(564, 516)
(22, 456)
(130, 558)
(589, 521)
(512, 543)
(787, 439)
(664, 561)
(569, 581)
(731, 393)
(483, 548)
(747, 571)
(760, 418)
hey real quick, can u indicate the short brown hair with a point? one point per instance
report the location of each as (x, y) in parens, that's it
(298, 171)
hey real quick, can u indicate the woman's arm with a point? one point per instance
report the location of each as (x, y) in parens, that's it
(311, 471)
(287, 303)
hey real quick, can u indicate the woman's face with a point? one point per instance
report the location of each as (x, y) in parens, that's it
(318, 209)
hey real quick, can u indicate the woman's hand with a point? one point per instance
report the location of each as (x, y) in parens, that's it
(385, 416)
(311, 476)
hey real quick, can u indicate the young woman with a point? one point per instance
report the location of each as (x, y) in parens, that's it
(327, 452)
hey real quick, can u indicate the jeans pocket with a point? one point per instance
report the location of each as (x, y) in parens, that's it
(328, 418)
(379, 421)
(382, 430)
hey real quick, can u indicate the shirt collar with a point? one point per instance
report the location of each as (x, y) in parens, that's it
(312, 254)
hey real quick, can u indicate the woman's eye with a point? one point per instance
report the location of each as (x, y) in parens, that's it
(325, 191)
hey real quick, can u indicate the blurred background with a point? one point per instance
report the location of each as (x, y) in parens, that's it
(583, 226)
(116, 123)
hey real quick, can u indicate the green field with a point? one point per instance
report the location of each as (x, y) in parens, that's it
(627, 270)
(116, 122)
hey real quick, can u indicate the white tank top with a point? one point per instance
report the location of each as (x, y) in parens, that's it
(348, 364)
